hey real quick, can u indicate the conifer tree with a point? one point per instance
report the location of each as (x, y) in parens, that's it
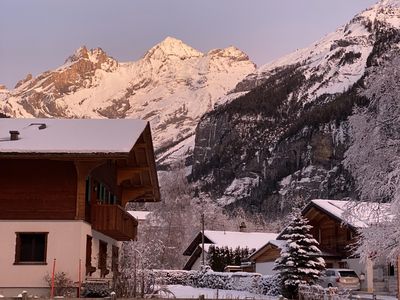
(218, 258)
(237, 257)
(300, 261)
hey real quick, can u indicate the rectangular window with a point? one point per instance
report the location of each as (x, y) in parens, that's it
(31, 248)
(391, 270)
(87, 190)
(89, 268)
(114, 262)
(103, 259)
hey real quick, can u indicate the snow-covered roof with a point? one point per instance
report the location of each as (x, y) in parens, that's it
(70, 135)
(234, 239)
(356, 214)
(139, 215)
(276, 243)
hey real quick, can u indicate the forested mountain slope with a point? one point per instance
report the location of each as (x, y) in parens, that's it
(281, 138)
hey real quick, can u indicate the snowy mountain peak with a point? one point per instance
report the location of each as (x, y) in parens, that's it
(385, 11)
(81, 52)
(229, 52)
(95, 56)
(389, 3)
(335, 62)
(172, 48)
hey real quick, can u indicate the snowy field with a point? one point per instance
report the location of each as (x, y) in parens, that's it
(181, 291)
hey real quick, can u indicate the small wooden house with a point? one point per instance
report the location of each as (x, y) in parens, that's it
(64, 186)
(264, 258)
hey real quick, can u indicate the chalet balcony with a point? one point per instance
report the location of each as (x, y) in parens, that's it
(114, 221)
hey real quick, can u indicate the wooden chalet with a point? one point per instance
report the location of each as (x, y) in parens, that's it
(335, 236)
(335, 229)
(64, 186)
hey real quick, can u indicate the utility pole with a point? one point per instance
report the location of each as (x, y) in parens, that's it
(398, 278)
(202, 239)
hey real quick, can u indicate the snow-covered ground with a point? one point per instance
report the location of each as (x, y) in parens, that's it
(378, 297)
(188, 292)
(181, 291)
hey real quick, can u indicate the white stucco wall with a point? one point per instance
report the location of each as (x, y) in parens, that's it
(265, 268)
(66, 242)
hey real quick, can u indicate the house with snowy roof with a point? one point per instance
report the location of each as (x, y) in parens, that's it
(335, 224)
(264, 258)
(230, 239)
(64, 186)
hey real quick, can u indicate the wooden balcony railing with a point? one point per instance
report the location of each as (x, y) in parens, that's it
(114, 221)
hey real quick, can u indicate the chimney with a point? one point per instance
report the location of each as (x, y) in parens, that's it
(14, 135)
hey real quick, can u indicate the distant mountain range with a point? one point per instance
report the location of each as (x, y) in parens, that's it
(171, 86)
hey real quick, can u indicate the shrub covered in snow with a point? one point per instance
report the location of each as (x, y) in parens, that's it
(169, 277)
(240, 281)
(213, 280)
(94, 289)
(206, 278)
(269, 285)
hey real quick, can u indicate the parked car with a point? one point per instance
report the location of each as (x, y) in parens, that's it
(341, 278)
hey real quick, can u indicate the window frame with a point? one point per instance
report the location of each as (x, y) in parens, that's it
(17, 259)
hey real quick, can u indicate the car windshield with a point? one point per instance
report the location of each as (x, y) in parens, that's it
(348, 274)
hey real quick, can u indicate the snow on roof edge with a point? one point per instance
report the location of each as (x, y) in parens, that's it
(70, 136)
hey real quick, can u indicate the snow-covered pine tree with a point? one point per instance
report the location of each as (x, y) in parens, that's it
(300, 261)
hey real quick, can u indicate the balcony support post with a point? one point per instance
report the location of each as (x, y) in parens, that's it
(83, 169)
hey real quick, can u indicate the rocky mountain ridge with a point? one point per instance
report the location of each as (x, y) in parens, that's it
(171, 86)
(280, 139)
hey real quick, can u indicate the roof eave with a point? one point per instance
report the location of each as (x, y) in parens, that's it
(311, 205)
(65, 155)
(257, 253)
(192, 259)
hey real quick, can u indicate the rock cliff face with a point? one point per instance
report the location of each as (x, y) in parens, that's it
(280, 138)
(171, 86)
